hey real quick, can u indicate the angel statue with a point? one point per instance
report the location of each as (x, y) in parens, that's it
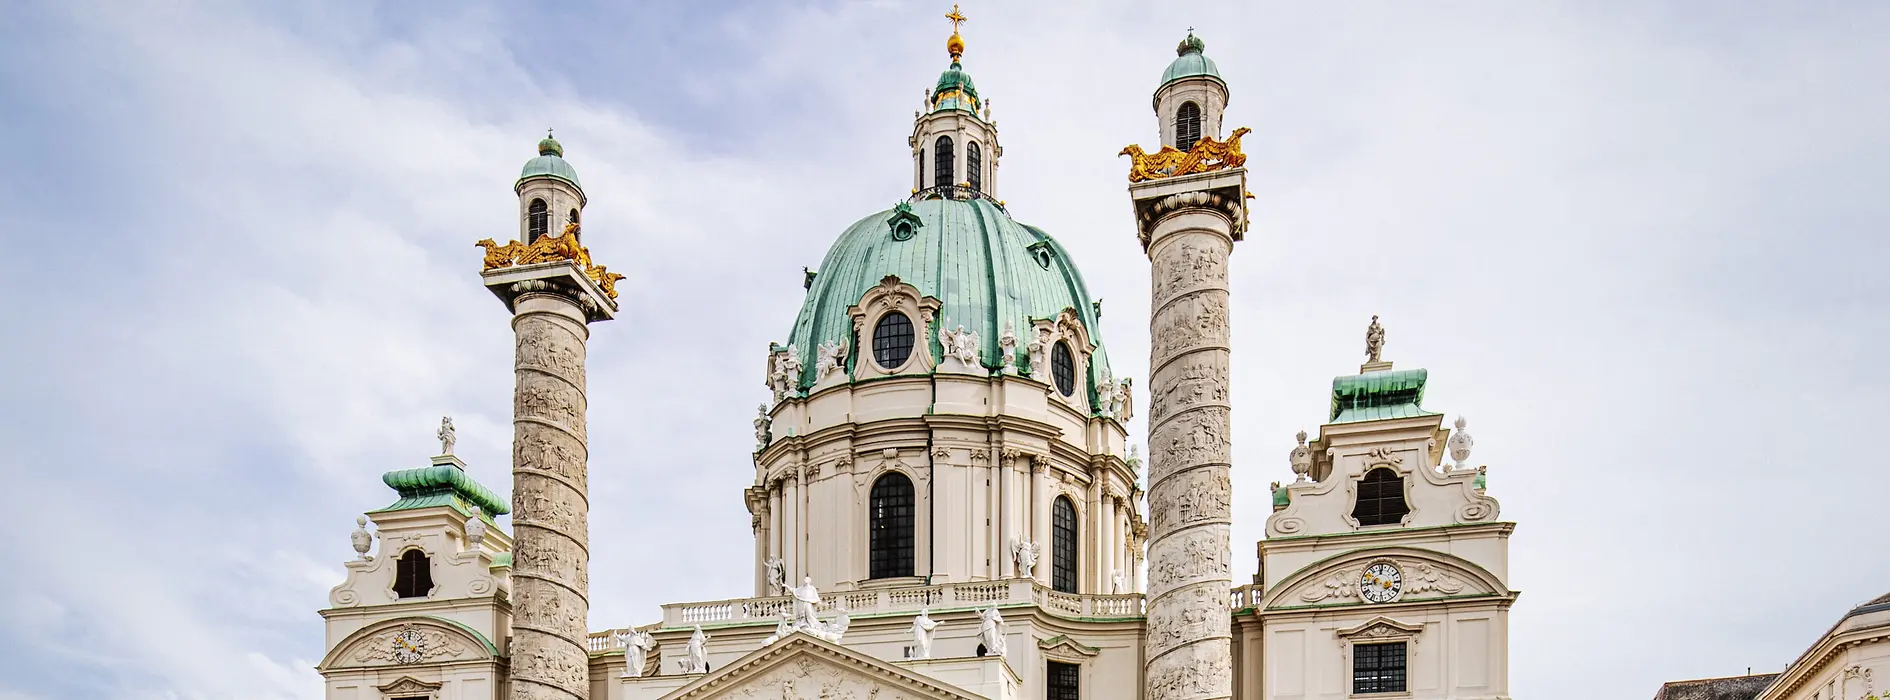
(1024, 553)
(696, 655)
(636, 651)
(782, 628)
(991, 630)
(830, 357)
(923, 632)
(777, 575)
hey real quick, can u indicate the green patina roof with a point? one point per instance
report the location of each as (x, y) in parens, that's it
(1190, 61)
(442, 485)
(955, 78)
(982, 266)
(550, 165)
(1378, 396)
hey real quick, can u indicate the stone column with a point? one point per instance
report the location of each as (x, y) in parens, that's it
(550, 546)
(1007, 523)
(791, 529)
(1188, 233)
(1106, 517)
(1040, 495)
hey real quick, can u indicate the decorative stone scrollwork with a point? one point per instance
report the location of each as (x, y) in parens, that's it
(409, 644)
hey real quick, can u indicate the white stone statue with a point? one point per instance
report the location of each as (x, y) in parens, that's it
(922, 635)
(829, 358)
(782, 628)
(1007, 348)
(1135, 458)
(777, 576)
(636, 651)
(1460, 443)
(764, 432)
(778, 377)
(1106, 395)
(362, 539)
(696, 655)
(1374, 340)
(806, 600)
(1116, 582)
(1301, 458)
(475, 530)
(959, 344)
(836, 629)
(991, 629)
(1024, 554)
(446, 435)
(1039, 351)
(1125, 393)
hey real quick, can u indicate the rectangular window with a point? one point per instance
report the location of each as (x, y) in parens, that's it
(1378, 668)
(1060, 681)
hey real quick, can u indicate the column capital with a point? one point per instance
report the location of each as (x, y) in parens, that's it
(1221, 192)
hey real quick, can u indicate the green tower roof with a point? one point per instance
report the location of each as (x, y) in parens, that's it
(1190, 61)
(443, 484)
(955, 90)
(985, 268)
(1379, 395)
(550, 163)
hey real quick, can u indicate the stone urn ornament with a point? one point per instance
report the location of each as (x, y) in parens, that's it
(1460, 443)
(1301, 457)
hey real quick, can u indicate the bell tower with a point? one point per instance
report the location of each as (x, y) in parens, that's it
(554, 291)
(954, 142)
(1190, 208)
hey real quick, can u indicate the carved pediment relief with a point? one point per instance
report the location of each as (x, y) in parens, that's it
(408, 686)
(1362, 578)
(1380, 628)
(804, 668)
(407, 642)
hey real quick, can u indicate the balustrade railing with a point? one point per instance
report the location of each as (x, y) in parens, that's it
(947, 595)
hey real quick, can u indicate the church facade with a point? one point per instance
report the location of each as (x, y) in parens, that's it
(945, 500)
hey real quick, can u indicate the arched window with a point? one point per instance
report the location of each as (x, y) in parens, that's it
(974, 166)
(1063, 368)
(1380, 499)
(1063, 545)
(1187, 125)
(572, 218)
(942, 161)
(889, 527)
(413, 575)
(537, 220)
(892, 340)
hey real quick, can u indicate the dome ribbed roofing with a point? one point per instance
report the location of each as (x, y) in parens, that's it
(550, 166)
(984, 267)
(955, 90)
(1190, 62)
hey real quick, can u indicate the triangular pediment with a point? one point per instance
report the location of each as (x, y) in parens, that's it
(802, 667)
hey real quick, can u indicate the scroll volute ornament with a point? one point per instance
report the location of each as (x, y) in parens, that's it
(548, 249)
(1207, 155)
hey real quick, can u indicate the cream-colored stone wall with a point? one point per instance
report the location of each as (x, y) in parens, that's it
(1210, 94)
(560, 199)
(1850, 662)
(963, 128)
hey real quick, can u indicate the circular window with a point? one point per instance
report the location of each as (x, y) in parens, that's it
(892, 340)
(1063, 368)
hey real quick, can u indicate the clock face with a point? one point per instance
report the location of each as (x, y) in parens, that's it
(408, 645)
(1381, 582)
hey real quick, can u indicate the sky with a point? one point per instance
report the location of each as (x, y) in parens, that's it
(1640, 246)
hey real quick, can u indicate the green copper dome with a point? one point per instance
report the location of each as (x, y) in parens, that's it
(955, 90)
(1190, 62)
(442, 485)
(550, 163)
(986, 269)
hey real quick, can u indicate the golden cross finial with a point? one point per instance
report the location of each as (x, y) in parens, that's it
(955, 17)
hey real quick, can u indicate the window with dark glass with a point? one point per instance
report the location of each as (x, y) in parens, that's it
(537, 220)
(1060, 681)
(889, 537)
(892, 340)
(974, 166)
(1380, 498)
(1378, 668)
(413, 575)
(1063, 368)
(1063, 545)
(942, 161)
(1187, 125)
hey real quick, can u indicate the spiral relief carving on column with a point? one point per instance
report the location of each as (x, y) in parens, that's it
(1187, 650)
(550, 552)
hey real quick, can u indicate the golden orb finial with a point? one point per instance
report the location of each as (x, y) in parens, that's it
(956, 44)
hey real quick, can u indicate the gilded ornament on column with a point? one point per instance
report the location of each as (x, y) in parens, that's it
(548, 249)
(1207, 155)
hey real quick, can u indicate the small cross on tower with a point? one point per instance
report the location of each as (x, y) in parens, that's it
(955, 17)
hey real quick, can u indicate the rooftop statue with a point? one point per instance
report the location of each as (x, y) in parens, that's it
(1374, 341)
(923, 631)
(446, 435)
